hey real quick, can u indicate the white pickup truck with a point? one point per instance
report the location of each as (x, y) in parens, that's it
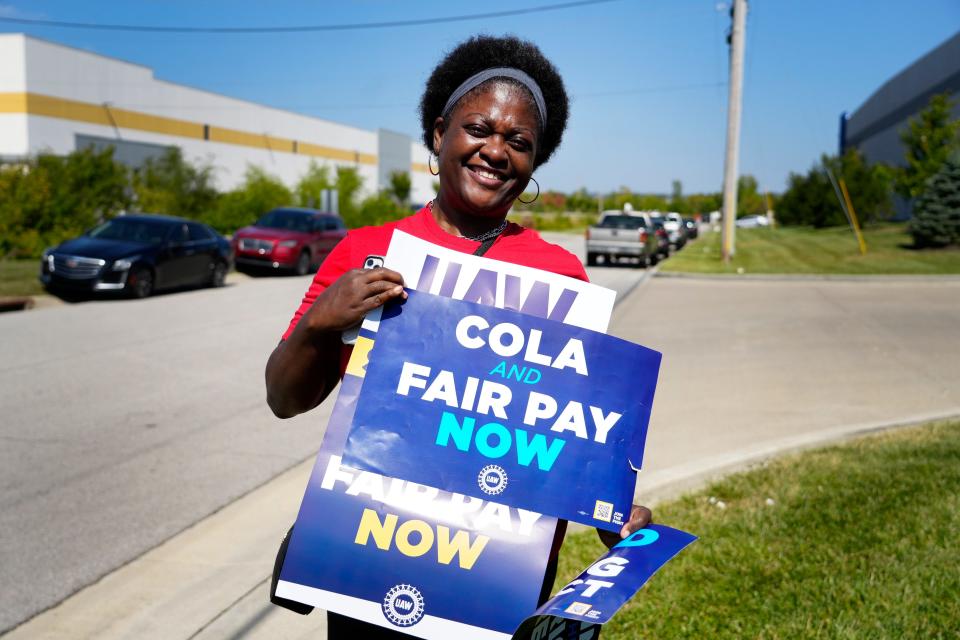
(622, 234)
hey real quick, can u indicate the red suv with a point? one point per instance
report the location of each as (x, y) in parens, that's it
(295, 239)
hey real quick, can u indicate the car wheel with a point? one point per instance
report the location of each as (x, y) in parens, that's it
(591, 259)
(218, 275)
(140, 283)
(303, 264)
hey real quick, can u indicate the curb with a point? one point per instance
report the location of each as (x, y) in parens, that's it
(808, 277)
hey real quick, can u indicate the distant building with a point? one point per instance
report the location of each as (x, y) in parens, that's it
(55, 98)
(875, 127)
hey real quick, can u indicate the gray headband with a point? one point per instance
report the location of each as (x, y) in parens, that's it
(499, 72)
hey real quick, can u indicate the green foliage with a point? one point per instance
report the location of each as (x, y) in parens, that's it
(582, 200)
(377, 210)
(310, 188)
(259, 193)
(936, 215)
(929, 139)
(348, 184)
(49, 198)
(400, 186)
(172, 186)
(810, 200)
(677, 202)
(749, 200)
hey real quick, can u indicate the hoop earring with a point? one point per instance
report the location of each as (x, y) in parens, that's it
(534, 197)
(430, 165)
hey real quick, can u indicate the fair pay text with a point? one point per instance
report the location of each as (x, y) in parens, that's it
(490, 398)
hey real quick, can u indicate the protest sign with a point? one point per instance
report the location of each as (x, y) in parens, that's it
(433, 269)
(401, 555)
(578, 610)
(497, 404)
(606, 585)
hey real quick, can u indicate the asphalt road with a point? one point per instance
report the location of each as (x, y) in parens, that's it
(123, 422)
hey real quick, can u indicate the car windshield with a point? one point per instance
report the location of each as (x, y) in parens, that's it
(132, 230)
(290, 220)
(621, 222)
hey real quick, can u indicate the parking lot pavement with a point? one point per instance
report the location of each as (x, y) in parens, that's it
(751, 368)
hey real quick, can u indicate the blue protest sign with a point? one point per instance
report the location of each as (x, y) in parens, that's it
(410, 557)
(489, 402)
(606, 585)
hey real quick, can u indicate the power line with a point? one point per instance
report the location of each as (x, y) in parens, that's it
(301, 29)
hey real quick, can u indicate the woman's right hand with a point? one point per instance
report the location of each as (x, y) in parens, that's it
(351, 296)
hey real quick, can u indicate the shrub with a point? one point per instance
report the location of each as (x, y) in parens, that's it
(811, 200)
(49, 198)
(173, 186)
(259, 193)
(936, 215)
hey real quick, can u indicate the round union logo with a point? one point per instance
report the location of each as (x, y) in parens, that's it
(403, 605)
(492, 479)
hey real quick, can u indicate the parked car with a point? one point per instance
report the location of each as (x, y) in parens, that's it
(136, 255)
(291, 239)
(622, 234)
(663, 238)
(752, 222)
(676, 229)
(693, 228)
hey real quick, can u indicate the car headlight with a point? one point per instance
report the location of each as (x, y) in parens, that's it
(124, 264)
(287, 243)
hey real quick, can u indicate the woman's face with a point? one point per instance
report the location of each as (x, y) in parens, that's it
(486, 149)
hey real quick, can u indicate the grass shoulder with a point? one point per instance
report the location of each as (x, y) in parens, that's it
(852, 541)
(799, 250)
(19, 278)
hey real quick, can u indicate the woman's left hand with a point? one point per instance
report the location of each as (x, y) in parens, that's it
(640, 517)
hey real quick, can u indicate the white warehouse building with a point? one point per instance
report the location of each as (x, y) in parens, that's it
(57, 99)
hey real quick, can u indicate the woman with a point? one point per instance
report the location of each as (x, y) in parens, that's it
(493, 111)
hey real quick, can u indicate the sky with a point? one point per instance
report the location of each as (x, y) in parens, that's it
(647, 78)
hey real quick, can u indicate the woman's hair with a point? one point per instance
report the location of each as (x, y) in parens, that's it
(485, 52)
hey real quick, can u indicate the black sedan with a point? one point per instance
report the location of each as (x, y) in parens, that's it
(136, 255)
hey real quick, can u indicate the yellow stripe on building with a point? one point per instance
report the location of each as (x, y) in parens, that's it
(422, 168)
(64, 109)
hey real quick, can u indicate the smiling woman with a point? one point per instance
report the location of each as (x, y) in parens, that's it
(493, 111)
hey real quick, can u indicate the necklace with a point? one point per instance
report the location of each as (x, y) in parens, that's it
(486, 235)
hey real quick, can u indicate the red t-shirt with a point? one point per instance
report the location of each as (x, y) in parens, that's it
(516, 245)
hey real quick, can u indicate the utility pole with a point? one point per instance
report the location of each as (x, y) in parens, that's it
(730, 168)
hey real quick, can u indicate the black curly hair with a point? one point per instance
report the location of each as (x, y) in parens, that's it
(484, 52)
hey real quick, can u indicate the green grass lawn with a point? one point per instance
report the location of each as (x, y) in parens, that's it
(19, 278)
(824, 251)
(860, 541)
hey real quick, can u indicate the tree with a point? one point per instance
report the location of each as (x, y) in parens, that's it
(259, 193)
(348, 185)
(812, 200)
(677, 202)
(749, 200)
(50, 198)
(400, 186)
(310, 188)
(172, 185)
(936, 216)
(377, 210)
(929, 139)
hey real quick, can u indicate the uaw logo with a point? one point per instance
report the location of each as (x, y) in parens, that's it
(492, 479)
(403, 605)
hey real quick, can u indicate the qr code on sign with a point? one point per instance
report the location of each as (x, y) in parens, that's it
(603, 511)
